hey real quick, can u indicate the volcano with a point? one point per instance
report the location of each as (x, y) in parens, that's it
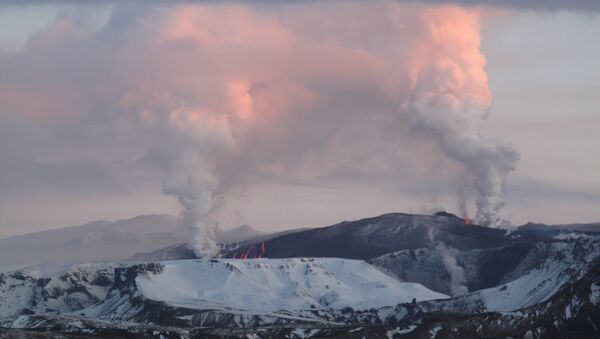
(395, 275)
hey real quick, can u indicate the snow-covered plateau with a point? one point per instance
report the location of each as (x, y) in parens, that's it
(278, 284)
(254, 286)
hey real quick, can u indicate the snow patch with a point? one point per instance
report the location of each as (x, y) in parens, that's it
(595, 293)
(395, 332)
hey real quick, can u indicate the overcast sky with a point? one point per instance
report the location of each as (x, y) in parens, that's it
(81, 135)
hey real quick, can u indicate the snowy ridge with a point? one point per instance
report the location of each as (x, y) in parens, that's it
(529, 283)
(566, 261)
(276, 288)
(572, 312)
(278, 284)
(540, 276)
(33, 291)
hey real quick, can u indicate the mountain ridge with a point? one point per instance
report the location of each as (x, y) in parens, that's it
(103, 241)
(501, 284)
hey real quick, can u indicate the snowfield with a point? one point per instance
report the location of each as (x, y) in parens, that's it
(530, 289)
(270, 285)
(59, 289)
(252, 286)
(562, 262)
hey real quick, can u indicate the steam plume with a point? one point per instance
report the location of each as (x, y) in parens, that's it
(193, 176)
(256, 120)
(456, 272)
(199, 195)
(450, 99)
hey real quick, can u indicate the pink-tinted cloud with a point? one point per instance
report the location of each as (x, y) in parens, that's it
(286, 90)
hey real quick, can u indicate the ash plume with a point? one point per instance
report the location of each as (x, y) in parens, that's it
(194, 176)
(456, 272)
(449, 101)
(254, 122)
(373, 92)
(199, 195)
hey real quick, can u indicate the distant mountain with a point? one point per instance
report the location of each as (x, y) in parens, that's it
(102, 241)
(372, 237)
(439, 251)
(92, 242)
(182, 251)
(238, 234)
(590, 227)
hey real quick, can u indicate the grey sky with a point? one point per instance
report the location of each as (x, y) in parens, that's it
(544, 5)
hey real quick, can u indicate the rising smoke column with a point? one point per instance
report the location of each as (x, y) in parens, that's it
(193, 177)
(445, 97)
(199, 194)
(451, 98)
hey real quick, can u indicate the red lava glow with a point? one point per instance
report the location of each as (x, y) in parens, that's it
(244, 255)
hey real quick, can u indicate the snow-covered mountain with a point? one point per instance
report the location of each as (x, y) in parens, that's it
(453, 272)
(271, 285)
(198, 292)
(372, 237)
(182, 251)
(540, 274)
(571, 310)
(102, 241)
(533, 282)
(32, 291)
(273, 298)
(589, 227)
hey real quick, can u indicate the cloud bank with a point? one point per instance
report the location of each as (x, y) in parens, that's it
(545, 5)
(221, 95)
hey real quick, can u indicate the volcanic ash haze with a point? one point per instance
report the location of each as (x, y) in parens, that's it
(269, 105)
(237, 92)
